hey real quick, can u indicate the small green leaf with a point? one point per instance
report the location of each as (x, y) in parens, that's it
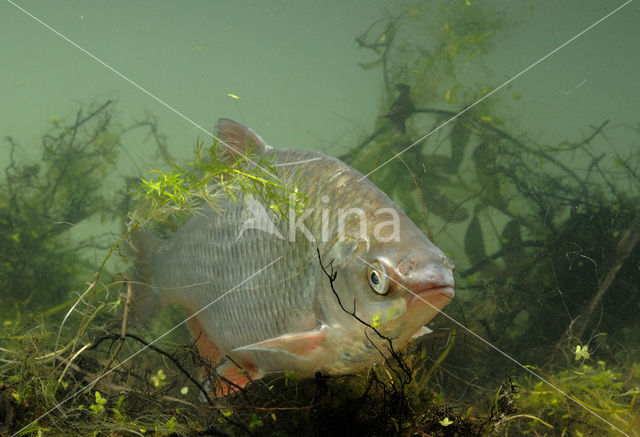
(445, 422)
(158, 378)
(582, 352)
(98, 407)
(290, 375)
(171, 423)
(99, 399)
(255, 422)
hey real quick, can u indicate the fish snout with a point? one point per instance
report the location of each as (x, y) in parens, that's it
(426, 280)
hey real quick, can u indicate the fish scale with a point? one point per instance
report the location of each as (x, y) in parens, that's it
(224, 267)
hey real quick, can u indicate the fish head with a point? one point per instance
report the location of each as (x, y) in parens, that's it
(398, 282)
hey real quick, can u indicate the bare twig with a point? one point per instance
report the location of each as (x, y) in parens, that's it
(76, 355)
(123, 331)
(332, 277)
(527, 416)
(161, 352)
(625, 246)
(499, 254)
(253, 407)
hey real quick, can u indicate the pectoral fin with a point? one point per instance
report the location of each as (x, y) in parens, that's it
(420, 332)
(300, 344)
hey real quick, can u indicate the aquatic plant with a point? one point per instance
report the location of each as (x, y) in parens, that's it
(41, 203)
(45, 368)
(209, 178)
(606, 391)
(542, 240)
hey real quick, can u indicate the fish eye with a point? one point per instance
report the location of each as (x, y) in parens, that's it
(378, 279)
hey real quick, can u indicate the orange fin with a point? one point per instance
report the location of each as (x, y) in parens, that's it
(206, 347)
(239, 375)
(240, 140)
(299, 344)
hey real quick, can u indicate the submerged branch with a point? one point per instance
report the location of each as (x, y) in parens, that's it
(123, 332)
(625, 246)
(403, 366)
(499, 254)
(161, 352)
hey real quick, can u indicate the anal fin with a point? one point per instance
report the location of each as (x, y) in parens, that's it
(236, 375)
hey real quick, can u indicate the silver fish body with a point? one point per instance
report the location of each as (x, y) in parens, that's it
(287, 317)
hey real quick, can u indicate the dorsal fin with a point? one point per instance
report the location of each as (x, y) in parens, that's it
(241, 140)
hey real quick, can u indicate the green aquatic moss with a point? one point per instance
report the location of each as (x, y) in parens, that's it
(171, 195)
(608, 392)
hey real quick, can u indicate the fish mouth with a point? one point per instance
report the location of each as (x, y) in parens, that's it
(436, 295)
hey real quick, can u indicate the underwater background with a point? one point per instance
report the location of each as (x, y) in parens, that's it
(534, 192)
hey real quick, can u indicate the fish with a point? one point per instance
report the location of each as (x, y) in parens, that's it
(259, 300)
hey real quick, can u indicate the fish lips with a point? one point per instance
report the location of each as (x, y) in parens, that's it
(436, 295)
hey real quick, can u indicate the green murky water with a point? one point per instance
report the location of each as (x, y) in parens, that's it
(512, 142)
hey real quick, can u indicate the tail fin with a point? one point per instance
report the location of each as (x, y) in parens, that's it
(145, 302)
